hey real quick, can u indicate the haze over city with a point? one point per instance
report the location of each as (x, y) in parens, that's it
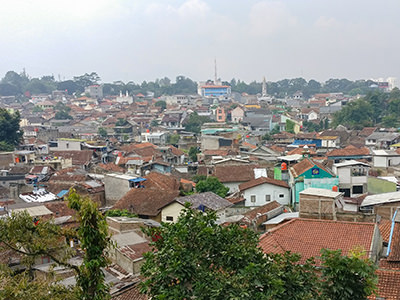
(144, 40)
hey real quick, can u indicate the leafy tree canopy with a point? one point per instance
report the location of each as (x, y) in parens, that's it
(20, 234)
(212, 184)
(10, 133)
(197, 259)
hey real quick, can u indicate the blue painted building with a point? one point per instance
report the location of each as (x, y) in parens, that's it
(215, 90)
(308, 173)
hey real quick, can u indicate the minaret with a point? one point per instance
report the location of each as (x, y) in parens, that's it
(215, 71)
(264, 88)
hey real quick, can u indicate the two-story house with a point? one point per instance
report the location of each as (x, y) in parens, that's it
(353, 177)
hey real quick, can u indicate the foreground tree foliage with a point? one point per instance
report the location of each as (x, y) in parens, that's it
(196, 258)
(19, 234)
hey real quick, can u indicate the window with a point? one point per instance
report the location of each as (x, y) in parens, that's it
(357, 189)
(253, 198)
(281, 196)
(169, 218)
(267, 198)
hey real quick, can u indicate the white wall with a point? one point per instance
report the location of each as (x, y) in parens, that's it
(173, 210)
(266, 189)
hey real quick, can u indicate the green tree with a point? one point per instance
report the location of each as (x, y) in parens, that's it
(290, 126)
(10, 133)
(197, 259)
(120, 213)
(355, 115)
(63, 115)
(102, 132)
(161, 104)
(193, 151)
(347, 277)
(194, 122)
(20, 234)
(173, 139)
(212, 184)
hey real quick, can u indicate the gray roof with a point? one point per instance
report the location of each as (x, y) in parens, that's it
(348, 163)
(282, 217)
(320, 192)
(383, 136)
(381, 198)
(208, 199)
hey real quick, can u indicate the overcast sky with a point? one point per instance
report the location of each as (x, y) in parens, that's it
(145, 39)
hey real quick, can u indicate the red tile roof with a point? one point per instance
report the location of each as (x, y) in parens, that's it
(388, 285)
(349, 151)
(301, 150)
(146, 201)
(79, 158)
(252, 214)
(262, 180)
(131, 293)
(135, 251)
(234, 173)
(384, 228)
(308, 236)
(162, 181)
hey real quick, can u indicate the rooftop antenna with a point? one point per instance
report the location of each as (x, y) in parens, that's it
(215, 75)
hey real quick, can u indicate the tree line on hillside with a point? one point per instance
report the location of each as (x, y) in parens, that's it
(376, 108)
(20, 84)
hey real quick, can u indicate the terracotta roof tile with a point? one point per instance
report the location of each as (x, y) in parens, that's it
(308, 236)
(349, 151)
(262, 180)
(388, 285)
(146, 201)
(111, 167)
(79, 158)
(251, 214)
(131, 293)
(384, 228)
(135, 251)
(234, 173)
(162, 181)
(301, 150)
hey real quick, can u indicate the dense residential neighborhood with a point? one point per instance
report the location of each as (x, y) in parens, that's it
(279, 166)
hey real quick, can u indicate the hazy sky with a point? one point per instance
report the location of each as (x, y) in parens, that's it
(144, 39)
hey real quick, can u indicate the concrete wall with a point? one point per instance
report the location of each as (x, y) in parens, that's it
(115, 189)
(387, 210)
(379, 186)
(317, 207)
(262, 190)
(65, 145)
(209, 143)
(233, 186)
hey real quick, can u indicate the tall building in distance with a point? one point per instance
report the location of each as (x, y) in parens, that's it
(213, 88)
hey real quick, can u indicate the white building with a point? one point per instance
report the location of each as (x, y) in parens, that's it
(262, 190)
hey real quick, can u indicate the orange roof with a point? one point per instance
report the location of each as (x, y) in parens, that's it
(388, 285)
(349, 151)
(251, 146)
(188, 181)
(262, 180)
(301, 150)
(308, 236)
